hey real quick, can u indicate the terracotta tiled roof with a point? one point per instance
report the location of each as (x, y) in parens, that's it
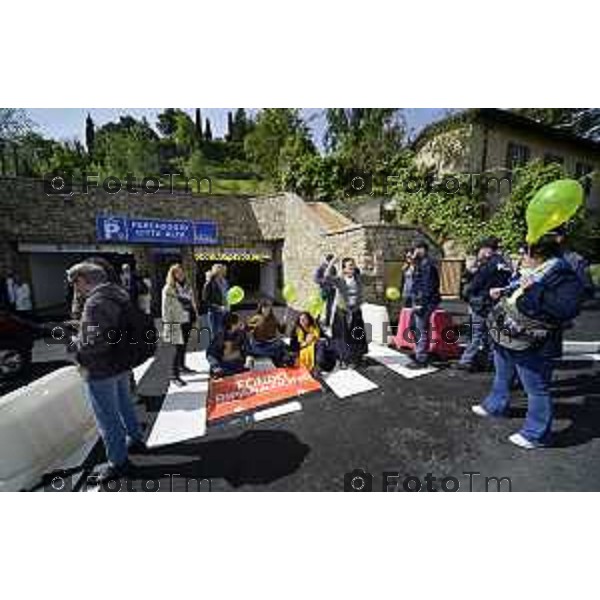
(329, 218)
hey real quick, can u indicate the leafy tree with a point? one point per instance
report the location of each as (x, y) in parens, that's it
(127, 146)
(365, 139)
(198, 124)
(584, 122)
(166, 121)
(13, 122)
(207, 131)
(240, 126)
(230, 127)
(279, 137)
(185, 134)
(89, 134)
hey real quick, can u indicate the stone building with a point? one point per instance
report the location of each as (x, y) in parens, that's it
(489, 140)
(265, 241)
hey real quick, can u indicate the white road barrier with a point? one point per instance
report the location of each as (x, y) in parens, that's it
(41, 426)
(376, 319)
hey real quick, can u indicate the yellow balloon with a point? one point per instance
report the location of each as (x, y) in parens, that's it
(315, 305)
(235, 295)
(392, 293)
(552, 205)
(289, 293)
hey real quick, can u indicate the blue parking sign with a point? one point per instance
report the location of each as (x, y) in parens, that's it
(111, 229)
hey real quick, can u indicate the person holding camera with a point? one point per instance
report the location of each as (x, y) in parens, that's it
(327, 290)
(349, 336)
(426, 297)
(490, 271)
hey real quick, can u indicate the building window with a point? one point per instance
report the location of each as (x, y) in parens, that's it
(583, 172)
(517, 155)
(553, 158)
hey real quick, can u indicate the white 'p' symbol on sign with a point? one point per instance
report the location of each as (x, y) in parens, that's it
(112, 229)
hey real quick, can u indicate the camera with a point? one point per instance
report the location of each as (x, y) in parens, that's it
(358, 481)
(58, 184)
(359, 184)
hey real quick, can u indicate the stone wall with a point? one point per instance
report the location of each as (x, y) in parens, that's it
(27, 214)
(269, 212)
(306, 244)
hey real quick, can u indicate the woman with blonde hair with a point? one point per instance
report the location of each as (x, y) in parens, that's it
(175, 318)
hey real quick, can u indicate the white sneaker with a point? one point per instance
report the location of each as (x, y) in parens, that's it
(518, 440)
(249, 362)
(480, 411)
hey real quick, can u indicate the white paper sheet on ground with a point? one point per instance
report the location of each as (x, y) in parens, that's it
(348, 382)
(277, 411)
(580, 357)
(396, 362)
(583, 346)
(182, 415)
(140, 370)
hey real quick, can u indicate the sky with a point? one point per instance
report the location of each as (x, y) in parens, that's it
(69, 123)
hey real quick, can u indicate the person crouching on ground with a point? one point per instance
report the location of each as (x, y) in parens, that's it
(227, 351)
(265, 331)
(305, 336)
(174, 317)
(527, 325)
(105, 368)
(348, 329)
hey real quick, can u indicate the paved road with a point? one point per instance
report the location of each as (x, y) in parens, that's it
(411, 427)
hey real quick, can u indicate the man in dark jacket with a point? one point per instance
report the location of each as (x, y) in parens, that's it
(490, 271)
(532, 320)
(104, 365)
(426, 297)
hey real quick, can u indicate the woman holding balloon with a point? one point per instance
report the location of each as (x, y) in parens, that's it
(526, 325)
(348, 329)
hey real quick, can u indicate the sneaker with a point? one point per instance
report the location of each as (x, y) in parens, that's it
(480, 411)
(178, 381)
(249, 363)
(108, 472)
(519, 440)
(187, 371)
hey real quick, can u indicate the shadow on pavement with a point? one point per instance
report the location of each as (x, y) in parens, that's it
(256, 457)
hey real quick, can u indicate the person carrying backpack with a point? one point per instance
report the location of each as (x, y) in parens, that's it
(527, 325)
(106, 355)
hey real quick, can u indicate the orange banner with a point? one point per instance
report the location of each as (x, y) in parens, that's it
(244, 392)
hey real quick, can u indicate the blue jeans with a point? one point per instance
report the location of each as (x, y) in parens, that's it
(115, 415)
(275, 350)
(422, 328)
(535, 373)
(479, 339)
(215, 321)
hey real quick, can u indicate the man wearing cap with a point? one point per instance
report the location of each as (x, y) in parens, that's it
(490, 271)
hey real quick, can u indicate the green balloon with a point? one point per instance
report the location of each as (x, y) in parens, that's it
(289, 293)
(235, 295)
(552, 205)
(315, 305)
(392, 293)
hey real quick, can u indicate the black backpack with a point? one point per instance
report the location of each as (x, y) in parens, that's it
(138, 336)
